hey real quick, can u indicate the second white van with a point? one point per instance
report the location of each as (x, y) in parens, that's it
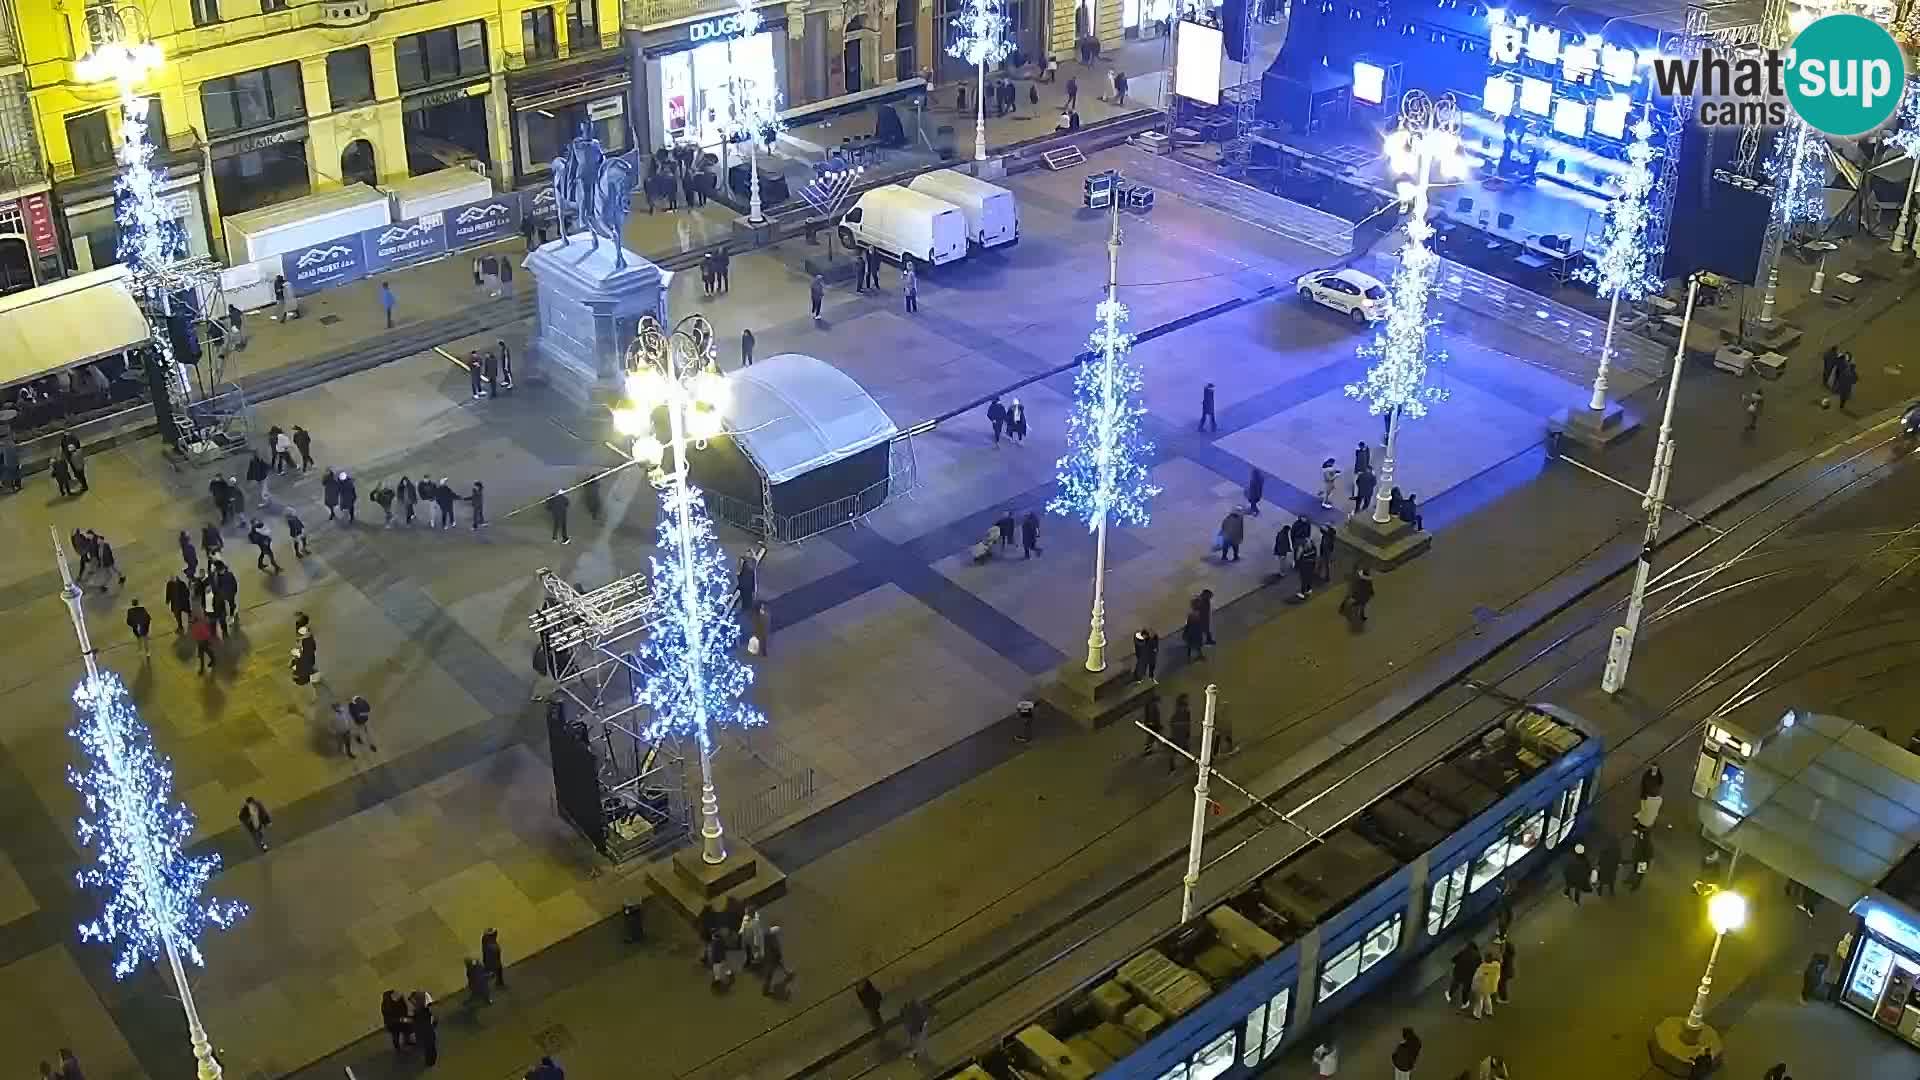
(903, 224)
(992, 213)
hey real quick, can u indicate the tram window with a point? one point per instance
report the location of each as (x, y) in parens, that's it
(1342, 969)
(1178, 1072)
(1256, 1035)
(1214, 1058)
(1380, 942)
(1515, 842)
(1277, 1020)
(1444, 905)
(1565, 809)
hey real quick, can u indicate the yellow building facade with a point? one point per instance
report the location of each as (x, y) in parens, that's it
(268, 100)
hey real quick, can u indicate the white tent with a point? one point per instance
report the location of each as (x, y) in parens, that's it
(67, 323)
(792, 414)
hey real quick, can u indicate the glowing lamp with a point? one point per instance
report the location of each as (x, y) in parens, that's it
(704, 423)
(1404, 190)
(1570, 118)
(1543, 43)
(1727, 911)
(646, 388)
(1498, 95)
(648, 450)
(1504, 43)
(1578, 62)
(1617, 65)
(119, 61)
(1610, 116)
(1496, 17)
(629, 422)
(710, 388)
(1536, 96)
(1369, 82)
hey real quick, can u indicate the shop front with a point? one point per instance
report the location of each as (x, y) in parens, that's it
(1882, 978)
(682, 96)
(252, 169)
(29, 243)
(446, 126)
(549, 108)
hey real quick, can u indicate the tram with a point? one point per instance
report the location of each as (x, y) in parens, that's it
(1427, 845)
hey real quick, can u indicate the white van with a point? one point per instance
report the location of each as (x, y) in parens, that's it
(993, 215)
(904, 225)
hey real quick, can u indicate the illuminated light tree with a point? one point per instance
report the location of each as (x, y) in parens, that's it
(1104, 476)
(692, 681)
(153, 896)
(982, 42)
(1904, 135)
(753, 101)
(1401, 354)
(1622, 271)
(1798, 169)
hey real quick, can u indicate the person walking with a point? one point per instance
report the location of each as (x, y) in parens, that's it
(1406, 1055)
(426, 1030)
(303, 442)
(393, 1017)
(997, 416)
(752, 933)
(386, 302)
(330, 493)
(490, 957)
(1233, 531)
(1146, 653)
(478, 497)
(1207, 418)
(1329, 480)
(349, 497)
(774, 957)
(140, 623)
(189, 555)
(1180, 730)
(1283, 547)
(305, 657)
(1503, 948)
(62, 476)
(557, 504)
(1120, 88)
(76, 459)
(1329, 543)
(257, 474)
(870, 1000)
(910, 287)
(1150, 719)
(1829, 363)
(746, 348)
(1256, 488)
(1359, 595)
(914, 1018)
(1073, 93)
(255, 819)
(1326, 1059)
(443, 500)
(201, 631)
(1203, 603)
(360, 712)
(297, 534)
(179, 601)
(1845, 377)
(1005, 526)
(763, 628)
(1364, 485)
(1030, 535)
(1606, 864)
(260, 538)
(82, 546)
(341, 726)
(1306, 567)
(1486, 981)
(817, 294)
(1753, 402)
(1017, 421)
(1460, 978)
(103, 553)
(382, 496)
(1362, 457)
(1193, 634)
(746, 579)
(1574, 874)
(408, 497)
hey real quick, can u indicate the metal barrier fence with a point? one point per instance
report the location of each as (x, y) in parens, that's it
(785, 785)
(903, 475)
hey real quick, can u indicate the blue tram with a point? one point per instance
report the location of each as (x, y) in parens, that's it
(1423, 845)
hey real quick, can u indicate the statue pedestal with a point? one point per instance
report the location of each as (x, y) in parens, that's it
(586, 315)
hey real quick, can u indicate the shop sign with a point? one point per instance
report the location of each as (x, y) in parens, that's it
(540, 205)
(322, 266)
(606, 107)
(442, 97)
(483, 222)
(38, 212)
(402, 242)
(249, 143)
(1889, 925)
(714, 29)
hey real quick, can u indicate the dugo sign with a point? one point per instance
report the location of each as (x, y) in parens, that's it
(719, 28)
(1843, 75)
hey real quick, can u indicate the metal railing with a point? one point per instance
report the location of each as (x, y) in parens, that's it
(902, 476)
(785, 786)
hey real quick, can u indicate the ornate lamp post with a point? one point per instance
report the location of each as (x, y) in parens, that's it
(1621, 272)
(982, 42)
(1678, 1042)
(1427, 140)
(753, 101)
(691, 678)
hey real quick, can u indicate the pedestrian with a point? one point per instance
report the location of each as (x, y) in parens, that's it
(258, 473)
(70, 1066)
(1017, 421)
(443, 500)
(1233, 530)
(1326, 1059)
(1005, 526)
(707, 275)
(1575, 873)
(1325, 553)
(83, 546)
(382, 496)
(62, 476)
(816, 294)
(870, 999)
(189, 555)
(746, 579)
(349, 497)
(330, 492)
(306, 656)
(714, 955)
(217, 491)
(1073, 93)
(297, 533)
(1194, 636)
(1113, 89)
(1460, 978)
(426, 1030)
(1364, 485)
(236, 498)
(1753, 402)
(202, 633)
(753, 936)
(1410, 512)
(260, 538)
(1030, 535)
(103, 553)
(386, 302)
(1503, 945)
(1256, 488)
(1283, 547)
(557, 515)
(490, 956)
(746, 348)
(255, 819)
(1120, 88)
(360, 712)
(393, 1017)
(500, 348)
(478, 497)
(1607, 865)
(1362, 457)
(140, 623)
(303, 442)
(226, 588)
(1180, 730)
(1306, 568)
(76, 458)
(341, 727)
(762, 628)
(476, 374)
(914, 1018)
(1486, 981)
(1406, 1055)
(723, 258)
(910, 287)
(1829, 363)
(548, 1069)
(997, 416)
(1150, 719)
(1207, 419)
(1844, 380)
(179, 602)
(1146, 653)
(408, 498)
(1329, 480)
(1203, 603)
(1359, 595)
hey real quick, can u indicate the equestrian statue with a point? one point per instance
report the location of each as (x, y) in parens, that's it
(596, 189)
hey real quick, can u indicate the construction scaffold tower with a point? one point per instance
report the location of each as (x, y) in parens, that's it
(624, 792)
(1236, 156)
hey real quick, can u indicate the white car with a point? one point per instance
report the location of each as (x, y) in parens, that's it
(1359, 296)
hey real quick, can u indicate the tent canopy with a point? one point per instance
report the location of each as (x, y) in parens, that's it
(67, 323)
(1825, 802)
(792, 414)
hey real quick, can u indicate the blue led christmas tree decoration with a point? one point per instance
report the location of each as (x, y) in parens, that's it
(1104, 474)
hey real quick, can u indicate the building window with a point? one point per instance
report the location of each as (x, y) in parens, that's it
(536, 34)
(583, 25)
(1516, 841)
(89, 141)
(1266, 1027)
(205, 12)
(452, 52)
(349, 76)
(905, 32)
(1443, 905)
(253, 99)
(268, 7)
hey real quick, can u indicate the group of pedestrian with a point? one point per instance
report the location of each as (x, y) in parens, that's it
(205, 606)
(490, 371)
(1010, 419)
(679, 174)
(352, 720)
(915, 1017)
(95, 554)
(69, 467)
(1197, 632)
(1178, 730)
(485, 973)
(68, 1069)
(410, 1023)
(1837, 373)
(1480, 977)
(715, 266)
(491, 273)
(743, 929)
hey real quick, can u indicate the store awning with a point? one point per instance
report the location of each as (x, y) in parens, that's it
(1825, 802)
(70, 322)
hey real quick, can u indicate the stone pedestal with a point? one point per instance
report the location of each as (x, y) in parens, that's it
(1094, 699)
(1595, 429)
(1385, 546)
(587, 314)
(1673, 1048)
(692, 885)
(753, 233)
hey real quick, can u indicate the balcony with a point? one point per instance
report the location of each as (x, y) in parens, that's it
(181, 147)
(572, 53)
(245, 24)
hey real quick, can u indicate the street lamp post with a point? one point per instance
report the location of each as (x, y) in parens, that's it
(675, 369)
(1621, 271)
(982, 42)
(1198, 834)
(1678, 1041)
(753, 102)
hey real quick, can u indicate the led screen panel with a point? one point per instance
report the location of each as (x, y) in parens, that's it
(1536, 96)
(1610, 116)
(1369, 82)
(1197, 63)
(1498, 96)
(1570, 118)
